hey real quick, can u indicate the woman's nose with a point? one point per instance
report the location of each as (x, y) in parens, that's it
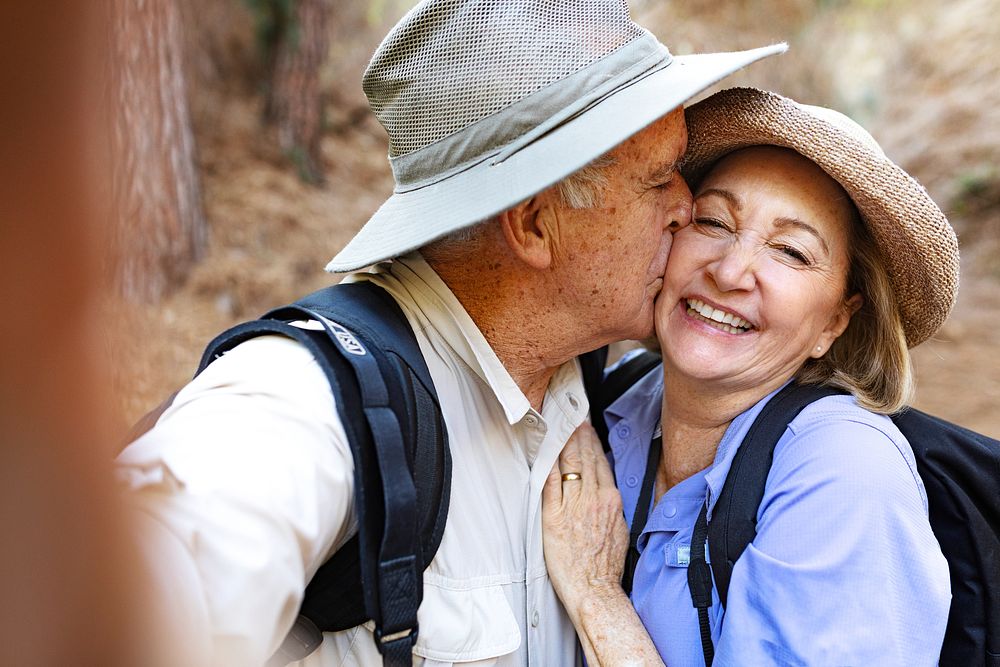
(734, 268)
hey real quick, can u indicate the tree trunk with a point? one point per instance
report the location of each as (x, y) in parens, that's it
(160, 225)
(295, 101)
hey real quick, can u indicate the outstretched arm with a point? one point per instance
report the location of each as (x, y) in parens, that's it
(585, 540)
(239, 493)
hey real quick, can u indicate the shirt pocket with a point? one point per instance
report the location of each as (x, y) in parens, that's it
(467, 625)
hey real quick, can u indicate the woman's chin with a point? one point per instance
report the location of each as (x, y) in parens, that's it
(701, 363)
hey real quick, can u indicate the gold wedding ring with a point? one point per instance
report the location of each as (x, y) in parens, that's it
(571, 476)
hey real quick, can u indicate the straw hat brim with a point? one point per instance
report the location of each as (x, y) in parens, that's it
(411, 219)
(914, 238)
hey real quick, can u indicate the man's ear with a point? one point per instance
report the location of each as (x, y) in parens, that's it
(527, 234)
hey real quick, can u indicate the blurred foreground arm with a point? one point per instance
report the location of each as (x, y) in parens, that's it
(242, 490)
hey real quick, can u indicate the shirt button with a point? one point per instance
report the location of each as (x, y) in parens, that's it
(534, 619)
(669, 511)
(632, 480)
(624, 431)
(531, 420)
(572, 401)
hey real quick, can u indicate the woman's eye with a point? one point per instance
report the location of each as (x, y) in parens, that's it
(794, 254)
(711, 223)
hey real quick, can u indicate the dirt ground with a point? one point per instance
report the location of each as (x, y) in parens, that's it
(270, 234)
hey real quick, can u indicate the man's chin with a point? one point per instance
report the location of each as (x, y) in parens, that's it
(643, 329)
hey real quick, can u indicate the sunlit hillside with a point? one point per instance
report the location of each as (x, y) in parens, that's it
(923, 76)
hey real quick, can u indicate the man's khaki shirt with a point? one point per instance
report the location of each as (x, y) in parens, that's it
(245, 487)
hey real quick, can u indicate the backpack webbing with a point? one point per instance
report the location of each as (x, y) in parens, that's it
(390, 413)
(960, 470)
(602, 390)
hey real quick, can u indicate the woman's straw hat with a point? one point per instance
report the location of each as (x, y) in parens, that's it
(916, 242)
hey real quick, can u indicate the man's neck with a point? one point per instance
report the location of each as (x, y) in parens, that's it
(527, 360)
(517, 321)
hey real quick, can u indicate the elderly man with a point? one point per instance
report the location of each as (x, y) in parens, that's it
(534, 146)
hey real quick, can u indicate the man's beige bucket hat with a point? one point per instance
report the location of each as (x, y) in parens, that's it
(913, 236)
(488, 102)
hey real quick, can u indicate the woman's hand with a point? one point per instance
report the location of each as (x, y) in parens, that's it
(584, 532)
(585, 539)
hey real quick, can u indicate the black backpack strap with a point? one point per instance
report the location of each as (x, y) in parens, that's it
(641, 514)
(700, 583)
(592, 368)
(390, 412)
(734, 517)
(603, 390)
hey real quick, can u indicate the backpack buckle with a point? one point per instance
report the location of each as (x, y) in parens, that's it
(408, 633)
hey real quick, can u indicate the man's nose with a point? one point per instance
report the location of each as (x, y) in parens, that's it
(680, 211)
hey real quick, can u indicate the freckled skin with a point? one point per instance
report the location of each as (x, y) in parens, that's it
(571, 280)
(611, 258)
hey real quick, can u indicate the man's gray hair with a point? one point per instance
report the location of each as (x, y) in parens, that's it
(581, 189)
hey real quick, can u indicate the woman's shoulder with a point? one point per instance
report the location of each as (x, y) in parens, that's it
(851, 444)
(841, 411)
(838, 419)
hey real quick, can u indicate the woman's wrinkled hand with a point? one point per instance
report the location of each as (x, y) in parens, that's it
(584, 533)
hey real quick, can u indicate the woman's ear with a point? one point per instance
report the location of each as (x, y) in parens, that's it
(838, 324)
(527, 233)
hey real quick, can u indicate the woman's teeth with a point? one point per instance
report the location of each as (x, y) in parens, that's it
(717, 318)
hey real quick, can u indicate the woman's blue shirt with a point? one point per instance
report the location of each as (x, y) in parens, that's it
(844, 569)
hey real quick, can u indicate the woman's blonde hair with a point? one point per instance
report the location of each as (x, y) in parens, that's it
(871, 358)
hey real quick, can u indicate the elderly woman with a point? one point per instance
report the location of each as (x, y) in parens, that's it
(810, 258)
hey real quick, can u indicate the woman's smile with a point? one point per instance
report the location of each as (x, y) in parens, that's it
(718, 318)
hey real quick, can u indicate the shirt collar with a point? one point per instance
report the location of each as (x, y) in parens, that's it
(430, 304)
(640, 405)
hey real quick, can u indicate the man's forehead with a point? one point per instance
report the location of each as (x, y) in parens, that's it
(666, 170)
(657, 151)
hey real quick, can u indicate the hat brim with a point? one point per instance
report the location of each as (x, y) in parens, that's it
(409, 220)
(915, 240)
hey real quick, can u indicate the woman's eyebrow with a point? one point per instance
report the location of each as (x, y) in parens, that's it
(733, 200)
(804, 226)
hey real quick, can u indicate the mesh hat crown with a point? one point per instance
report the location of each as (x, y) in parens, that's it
(487, 102)
(449, 65)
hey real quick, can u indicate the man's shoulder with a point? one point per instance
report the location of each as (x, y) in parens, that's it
(268, 369)
(265, 356)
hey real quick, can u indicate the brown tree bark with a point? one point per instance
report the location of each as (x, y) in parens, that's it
(295, 99)
(160, 225)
